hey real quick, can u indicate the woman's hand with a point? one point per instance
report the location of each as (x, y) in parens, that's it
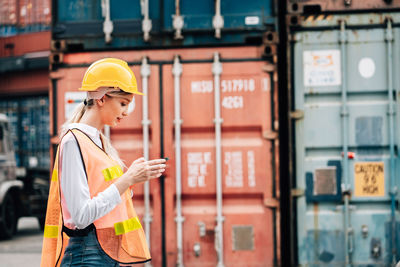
(140, 171)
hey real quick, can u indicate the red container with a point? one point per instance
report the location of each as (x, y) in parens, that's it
(34, 12)
(8, 12)
(24, 83)
(249, 178)
(316, 6)
(22, 44)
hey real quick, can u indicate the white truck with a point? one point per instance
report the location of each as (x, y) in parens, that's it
(20, 194)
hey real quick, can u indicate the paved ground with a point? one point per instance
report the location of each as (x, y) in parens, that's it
(25, 247)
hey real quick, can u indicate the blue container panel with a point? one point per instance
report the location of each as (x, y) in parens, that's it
(29, 124)
(81, 23)
(78, 11)
(199, 14)
(324, 237)
(319, 140)
(8, 30)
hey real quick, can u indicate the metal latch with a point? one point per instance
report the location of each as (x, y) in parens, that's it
(270, 135)
(297, 114)
(297, 192)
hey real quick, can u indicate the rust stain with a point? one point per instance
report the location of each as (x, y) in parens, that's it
(316, 231)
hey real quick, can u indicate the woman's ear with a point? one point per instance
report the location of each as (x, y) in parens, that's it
(101, 101)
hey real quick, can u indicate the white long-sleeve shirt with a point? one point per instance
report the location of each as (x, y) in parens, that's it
(79, 209)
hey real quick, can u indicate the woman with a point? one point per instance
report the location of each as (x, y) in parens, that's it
(90, 219)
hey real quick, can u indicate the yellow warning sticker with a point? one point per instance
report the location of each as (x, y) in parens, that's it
(369, 179)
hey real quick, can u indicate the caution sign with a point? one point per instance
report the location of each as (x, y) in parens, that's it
(369, 179)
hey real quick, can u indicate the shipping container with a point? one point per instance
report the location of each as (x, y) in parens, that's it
(212, 111)
(318, 6)
(104, 25)
(24, 16)
(24, 87)
(30, 45)
(24, 99)
(8, 17)
(345, 108)
(29, 123)
(34, 16)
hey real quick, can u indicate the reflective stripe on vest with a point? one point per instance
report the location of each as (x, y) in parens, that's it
(112, 173)
(50, 231)
(127, 226)
(54, 176)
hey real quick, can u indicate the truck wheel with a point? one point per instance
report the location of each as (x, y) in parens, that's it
(8, 220)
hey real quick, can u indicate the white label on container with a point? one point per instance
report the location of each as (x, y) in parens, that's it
(238, 85)
(197, 168)
(366, 67)
(201, 86)
(232, 102)
(227, 86)
(252, 20)
(234, 176)
(72, 99)
(251, 168)
(322, 68)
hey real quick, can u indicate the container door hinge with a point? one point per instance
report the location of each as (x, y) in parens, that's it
(268, 67)
(297, 114)
(297, 192)
(271, 202)
(270, 135)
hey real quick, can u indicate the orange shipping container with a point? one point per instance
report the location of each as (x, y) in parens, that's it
(34, 12)
(8, 12)
(218, 200)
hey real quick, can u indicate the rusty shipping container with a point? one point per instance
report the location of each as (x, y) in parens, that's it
(8, 12)
(213, 112)
(29, 45)
(34, 16)
(8, 17)
(317, 6)
(24, 16)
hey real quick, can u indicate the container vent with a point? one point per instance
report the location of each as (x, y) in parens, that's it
(243, 237)
(325, 181)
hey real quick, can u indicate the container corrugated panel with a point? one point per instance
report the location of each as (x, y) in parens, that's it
(316, 6)
(8, 17)
(8, 12)
(24, 16)
(22, 44)
(81, 26)
(34, 16)
(346, 137)
(29, 122)
(250, 229)
(24, 83)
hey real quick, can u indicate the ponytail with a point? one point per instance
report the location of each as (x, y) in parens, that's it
(75, 117)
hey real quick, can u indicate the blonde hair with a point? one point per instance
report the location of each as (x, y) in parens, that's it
(77, 116)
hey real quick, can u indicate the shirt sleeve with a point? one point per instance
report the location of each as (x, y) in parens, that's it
(83, 209)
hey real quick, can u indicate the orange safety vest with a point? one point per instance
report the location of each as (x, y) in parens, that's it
(119, 233)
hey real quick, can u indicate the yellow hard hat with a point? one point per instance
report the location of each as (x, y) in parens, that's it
(110, 72)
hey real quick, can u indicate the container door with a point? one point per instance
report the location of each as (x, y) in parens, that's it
(345, 142)
(247, 162)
